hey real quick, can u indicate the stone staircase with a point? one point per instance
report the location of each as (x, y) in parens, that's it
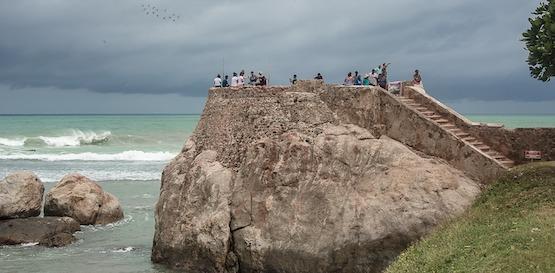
(450, 127)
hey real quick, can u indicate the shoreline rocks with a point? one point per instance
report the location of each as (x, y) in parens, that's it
(47, 231)
(21, 195)
(78, 197)
(75, 200)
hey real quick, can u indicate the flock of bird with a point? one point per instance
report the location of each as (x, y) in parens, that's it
(159, 13)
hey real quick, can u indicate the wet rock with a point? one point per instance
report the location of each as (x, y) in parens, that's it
(47, 231)
(21, 195)
(80, 198)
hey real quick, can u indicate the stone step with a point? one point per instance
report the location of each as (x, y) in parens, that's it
(462, 135)
(470, 140)
(429, 113)
(483, 148)
(422, 109)
(508, 163)
(441, 121)
(494, 154)
(435, 117)
(476, 143)
(449, 126)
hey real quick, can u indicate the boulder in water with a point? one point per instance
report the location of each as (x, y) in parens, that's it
(48, 231)
(21, 195)
(80, 198)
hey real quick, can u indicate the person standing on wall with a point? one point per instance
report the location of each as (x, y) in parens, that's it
(252, 79)
(417, 78)
(234, 80)
(373, 78)
(382, 80)
(293, 80)
(319, 77)
(241, 79)
(218, 81)
(358, 78)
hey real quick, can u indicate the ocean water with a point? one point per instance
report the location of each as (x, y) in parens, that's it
(105, 148)
(517, 121)
(126, 154)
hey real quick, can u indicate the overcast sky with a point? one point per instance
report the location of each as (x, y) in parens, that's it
(77, 56)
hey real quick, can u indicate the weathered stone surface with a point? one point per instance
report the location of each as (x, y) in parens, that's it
(80, 198)
(20, 195)
(198, 239)
(48, 231)
(273, 180)
(340, 202)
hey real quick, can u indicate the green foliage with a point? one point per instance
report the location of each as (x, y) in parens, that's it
(540, 41)
(510, 228)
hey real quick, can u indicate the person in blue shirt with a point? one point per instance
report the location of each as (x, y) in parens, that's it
(358, 79)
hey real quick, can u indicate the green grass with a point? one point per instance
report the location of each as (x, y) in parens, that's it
(510, 228)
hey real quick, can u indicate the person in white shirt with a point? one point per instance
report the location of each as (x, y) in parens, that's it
(234, 80)
(241, 80)
(218, 81)
(374, 78)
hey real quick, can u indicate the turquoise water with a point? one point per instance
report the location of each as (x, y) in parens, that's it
(517, 121)
(125, 153)
(123, 247)
(105, 148)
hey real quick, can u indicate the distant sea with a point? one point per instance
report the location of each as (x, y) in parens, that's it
(126, 154)
(517, 121)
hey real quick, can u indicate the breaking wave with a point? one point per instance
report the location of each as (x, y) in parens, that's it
(77, 138)
(12, 142)
(123, 156)
(73, 138)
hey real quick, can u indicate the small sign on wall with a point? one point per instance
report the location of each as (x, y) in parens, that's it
(537, 155)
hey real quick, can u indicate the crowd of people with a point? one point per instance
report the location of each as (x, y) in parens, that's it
(376, 77)
(240, 80)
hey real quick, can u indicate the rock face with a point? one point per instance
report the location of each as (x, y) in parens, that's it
(48, 231)
(21, 195)
(82, 199)
(273, 181)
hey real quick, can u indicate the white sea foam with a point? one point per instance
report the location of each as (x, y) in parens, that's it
(29, 244)
(123, 156)
(101, 175)
(77, 138)
(123, 250)
(12, 142)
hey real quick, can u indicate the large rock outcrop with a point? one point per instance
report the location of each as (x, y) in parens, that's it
(82, 199)
(20, 195)
(48, 231)
(273, 181)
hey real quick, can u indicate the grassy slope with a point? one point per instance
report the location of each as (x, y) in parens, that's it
(510, 228)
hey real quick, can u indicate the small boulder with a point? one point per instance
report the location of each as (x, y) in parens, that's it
(47, 231)
(20, 195)
(82, 199)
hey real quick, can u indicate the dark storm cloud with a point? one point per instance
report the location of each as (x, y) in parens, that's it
(465, 48)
